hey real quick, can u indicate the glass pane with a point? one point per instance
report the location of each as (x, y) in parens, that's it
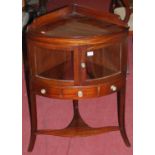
(103, 62)
(54, 64)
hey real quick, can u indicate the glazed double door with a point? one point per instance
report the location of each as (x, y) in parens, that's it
(80, 65)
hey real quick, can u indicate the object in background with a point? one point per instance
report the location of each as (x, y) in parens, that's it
(124, 10)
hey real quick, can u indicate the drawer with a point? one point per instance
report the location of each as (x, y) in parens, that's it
(78, 92)
(111, 87)
(47, 91)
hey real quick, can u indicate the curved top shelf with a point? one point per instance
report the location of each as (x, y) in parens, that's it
(75, 24)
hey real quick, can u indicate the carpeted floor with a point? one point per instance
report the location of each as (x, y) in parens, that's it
(97, 112)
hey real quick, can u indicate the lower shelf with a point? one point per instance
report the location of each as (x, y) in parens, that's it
(77, 127)
(72, 132)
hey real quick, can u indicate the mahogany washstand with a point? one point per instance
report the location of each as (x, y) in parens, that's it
(77, 53)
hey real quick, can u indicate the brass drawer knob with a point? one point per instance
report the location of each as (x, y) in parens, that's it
(83, 65)
(43, 91)
(113, 88)
(80, 93)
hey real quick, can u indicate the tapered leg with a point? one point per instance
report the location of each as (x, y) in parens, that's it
(33, 118)
(121, 115)
(32, 142)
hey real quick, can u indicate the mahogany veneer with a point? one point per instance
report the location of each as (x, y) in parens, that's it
(77, 53)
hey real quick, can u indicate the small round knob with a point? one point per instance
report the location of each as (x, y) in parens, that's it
(80, 93)
(113, 88)
(43, 91)
(83, 65)
(43, 32)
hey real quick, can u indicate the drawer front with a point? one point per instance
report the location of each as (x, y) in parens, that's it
(111, 87)
(78, 92)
